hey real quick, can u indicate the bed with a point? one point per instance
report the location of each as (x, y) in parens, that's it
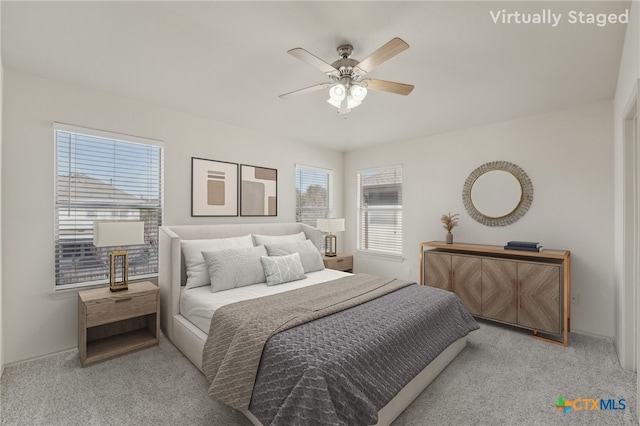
(186, 322)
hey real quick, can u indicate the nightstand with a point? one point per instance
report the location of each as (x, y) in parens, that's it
(340, 262)
(111, 324)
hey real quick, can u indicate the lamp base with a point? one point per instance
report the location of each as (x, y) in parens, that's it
(118, 265)
(330, 244)
(119, 287)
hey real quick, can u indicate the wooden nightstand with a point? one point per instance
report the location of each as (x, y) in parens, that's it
(341, 262)
(111, 324)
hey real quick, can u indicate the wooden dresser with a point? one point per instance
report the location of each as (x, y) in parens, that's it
(530, 290)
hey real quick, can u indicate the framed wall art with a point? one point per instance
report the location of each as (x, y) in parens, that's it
(258, 191)
(214, 188)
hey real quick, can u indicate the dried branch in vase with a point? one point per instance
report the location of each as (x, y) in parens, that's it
(449, 221)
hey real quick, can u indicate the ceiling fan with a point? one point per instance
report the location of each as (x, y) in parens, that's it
(347, 85)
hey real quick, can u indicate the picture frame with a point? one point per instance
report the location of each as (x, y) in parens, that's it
(214, 188)
(258, 191)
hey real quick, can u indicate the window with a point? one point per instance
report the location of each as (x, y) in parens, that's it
(313, 194)
(102, 176)
(380, 210)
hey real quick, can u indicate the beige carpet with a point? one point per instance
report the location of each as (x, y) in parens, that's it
(503, 377)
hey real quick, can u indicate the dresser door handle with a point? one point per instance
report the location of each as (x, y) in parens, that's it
(340, 260)
(123, 299)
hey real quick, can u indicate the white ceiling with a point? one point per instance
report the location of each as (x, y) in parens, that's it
(227, 61)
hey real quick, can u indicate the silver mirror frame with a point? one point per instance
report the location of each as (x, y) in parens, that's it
(518, 212)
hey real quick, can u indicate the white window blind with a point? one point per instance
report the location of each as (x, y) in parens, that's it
(313, 194)
(379, 195)
(104, 177)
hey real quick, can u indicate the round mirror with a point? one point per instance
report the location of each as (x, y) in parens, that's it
(496, 193)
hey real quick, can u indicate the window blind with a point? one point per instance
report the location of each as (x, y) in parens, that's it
(379, 193)
(313, 194)
(100, 178)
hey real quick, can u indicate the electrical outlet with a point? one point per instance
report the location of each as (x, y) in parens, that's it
(574, 298)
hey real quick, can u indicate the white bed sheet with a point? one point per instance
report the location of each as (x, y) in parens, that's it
(198, 304)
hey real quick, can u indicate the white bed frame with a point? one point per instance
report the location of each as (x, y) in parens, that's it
(190, 339)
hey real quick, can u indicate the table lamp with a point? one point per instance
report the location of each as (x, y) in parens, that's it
(330, 225)
(118, 234)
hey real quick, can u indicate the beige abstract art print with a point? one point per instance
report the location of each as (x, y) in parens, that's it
(214, 188)
(258, 191)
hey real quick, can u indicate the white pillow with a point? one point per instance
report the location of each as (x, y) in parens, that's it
(261, 240)
(309, 254)
(282, 269)
(197, 274)
(233, 268)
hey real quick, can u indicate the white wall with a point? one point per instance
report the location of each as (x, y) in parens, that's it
(37, 323)
(569, 157)
(623, 253)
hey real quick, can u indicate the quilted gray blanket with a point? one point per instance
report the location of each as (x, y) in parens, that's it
(343, 368)
(239, 331)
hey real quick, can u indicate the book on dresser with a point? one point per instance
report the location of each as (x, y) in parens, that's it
(524, 246)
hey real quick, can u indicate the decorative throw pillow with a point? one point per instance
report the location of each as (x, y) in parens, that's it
(197, 273)
(309, 254)
(278, 239)
(282, 269)
(233, 268)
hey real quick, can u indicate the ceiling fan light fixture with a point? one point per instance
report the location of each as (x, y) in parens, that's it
(352, 103)
(337, 93)
(358, 93)
(334, 103)
(347, 88)
(354, 96)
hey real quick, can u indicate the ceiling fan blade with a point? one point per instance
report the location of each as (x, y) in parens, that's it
(388, 86)
(312, 60)
(305, 90)
(383, 54)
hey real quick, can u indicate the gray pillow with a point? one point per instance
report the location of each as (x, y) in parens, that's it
(197, 274)
(309, 254)
(233, 268)
(282, 269)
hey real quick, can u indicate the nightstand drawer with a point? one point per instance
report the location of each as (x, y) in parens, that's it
(120, 307)
(340, 263)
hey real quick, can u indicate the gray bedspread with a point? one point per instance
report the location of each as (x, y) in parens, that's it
(239, 331)
(343, 368)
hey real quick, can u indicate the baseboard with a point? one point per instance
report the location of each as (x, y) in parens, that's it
(11, 364)
(586, 333)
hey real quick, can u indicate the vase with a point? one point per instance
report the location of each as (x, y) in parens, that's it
(449, 238)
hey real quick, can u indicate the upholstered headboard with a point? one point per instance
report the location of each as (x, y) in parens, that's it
(172, 275)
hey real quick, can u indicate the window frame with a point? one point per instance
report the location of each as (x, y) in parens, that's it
(330, 204)
(111, 136)
(397, 255)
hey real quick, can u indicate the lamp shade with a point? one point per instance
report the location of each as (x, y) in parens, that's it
(108, 234)
(331, 225)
